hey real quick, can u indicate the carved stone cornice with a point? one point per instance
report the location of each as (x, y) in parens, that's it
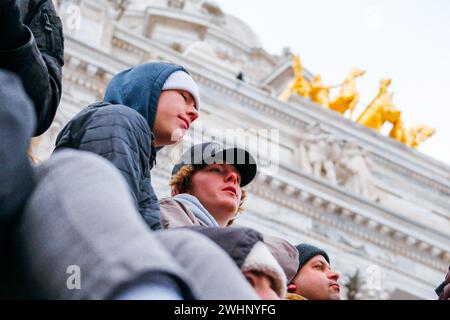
(86, 75)
(93, 56)
(322, 209)
(127, 47)
(411, 174)
(85, 82)
(248, 102)
(400, 185)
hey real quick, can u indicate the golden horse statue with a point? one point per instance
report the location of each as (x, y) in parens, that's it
(319, 92)
(380, 110)
(299, 84)
(413, 136)
(348, 96)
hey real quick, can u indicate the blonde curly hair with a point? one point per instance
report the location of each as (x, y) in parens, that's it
(181, 182)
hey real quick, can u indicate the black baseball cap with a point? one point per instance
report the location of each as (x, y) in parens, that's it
(203, 154)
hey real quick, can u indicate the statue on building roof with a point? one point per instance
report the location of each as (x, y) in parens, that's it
(299, 84)
(348, 96)
(380, 110)
(319, 92)
(413, 136)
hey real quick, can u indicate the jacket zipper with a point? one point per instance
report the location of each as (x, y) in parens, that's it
(49, 30)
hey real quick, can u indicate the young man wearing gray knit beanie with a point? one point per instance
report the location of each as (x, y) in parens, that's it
(314, 280)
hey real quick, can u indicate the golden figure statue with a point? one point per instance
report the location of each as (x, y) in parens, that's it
(420, 133)
(377, 113)
(398, 132)
(348, 96)
(299, 84)
(380, 110)
(319, 92)
(413, 136)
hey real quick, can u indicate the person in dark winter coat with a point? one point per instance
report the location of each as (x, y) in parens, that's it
(247, 249)
(144, 109)
(32, 45)
(314, 280)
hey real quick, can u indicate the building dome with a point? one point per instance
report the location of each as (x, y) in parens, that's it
(231, 25)
(240, 30)
(208, 10)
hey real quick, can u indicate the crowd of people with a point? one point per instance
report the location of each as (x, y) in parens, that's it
(92, 204)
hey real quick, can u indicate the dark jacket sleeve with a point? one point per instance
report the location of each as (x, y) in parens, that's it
(39, 62)
(122, 136)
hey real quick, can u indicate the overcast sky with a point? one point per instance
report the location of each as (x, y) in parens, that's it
(406, 40)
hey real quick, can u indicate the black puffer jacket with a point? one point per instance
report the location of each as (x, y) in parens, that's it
(39, 61)
(120, 130)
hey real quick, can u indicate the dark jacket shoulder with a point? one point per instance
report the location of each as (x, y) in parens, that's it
(122, 136)
(39, 61)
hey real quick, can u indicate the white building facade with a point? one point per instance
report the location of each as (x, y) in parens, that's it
(372, 203)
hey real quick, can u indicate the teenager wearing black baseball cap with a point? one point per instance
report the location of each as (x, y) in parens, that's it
(208, 186)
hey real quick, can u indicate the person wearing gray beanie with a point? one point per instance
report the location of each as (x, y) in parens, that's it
(314, 279)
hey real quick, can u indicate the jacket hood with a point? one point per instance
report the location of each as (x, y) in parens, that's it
(286, 254)
(140, 87)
